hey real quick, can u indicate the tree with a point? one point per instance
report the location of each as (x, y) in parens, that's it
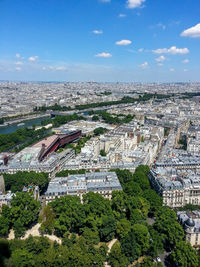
(119, 202)
(107, 228)
(4, 226)
(116, 258)
(91, 237)
(184, 255)
(133, 189)
(154, 199)
(123, 228)
(48, 220)
(69, 214)
(19, 228)
(167, 225)
(22, 258)
(139, 203)
(142, 179)
(99, 131)
(142, 236)
(102, 153)
(95, 118)
(130, 248)
(16, 182)
(143, 168)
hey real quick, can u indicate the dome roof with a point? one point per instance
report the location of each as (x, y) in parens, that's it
(190, 222)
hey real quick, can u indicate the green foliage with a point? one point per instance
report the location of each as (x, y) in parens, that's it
(184, 255)
(21, 139)
(154, 199)
(23, 212)
(130, 248)
(123, 228)
(48, 220)
(95, 118)
(99, 131)
(107, 228)
(102, 153)
(59, 120)
(167, 225)
(4, 226)
(142, 236)
(16, 182)
(65, 173)
(116, 258)
(69, 214)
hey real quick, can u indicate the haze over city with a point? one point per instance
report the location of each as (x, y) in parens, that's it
(100, 40)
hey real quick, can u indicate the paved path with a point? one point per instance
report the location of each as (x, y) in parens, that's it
(34, 231)
(110, 244)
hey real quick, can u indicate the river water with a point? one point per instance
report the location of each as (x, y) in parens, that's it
(13, 127)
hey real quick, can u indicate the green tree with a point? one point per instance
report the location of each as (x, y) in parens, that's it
(4, 226)
(22, 258)
(48, 220)
(116, 258)
(154, 199)
(141, 178)
(119, 204)
(123, 228)
(95, 118)
(142, 236)
(184, 255)
(107, 228)
(102, 153)
(91, 237)
(166, 224)
(130, 248)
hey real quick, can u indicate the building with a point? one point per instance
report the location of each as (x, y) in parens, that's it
(27, 160)
(77, 185)
(5, 199)
(190, 220)
(52, 143)
(178, 187)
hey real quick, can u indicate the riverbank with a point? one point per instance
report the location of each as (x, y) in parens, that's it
(27, 122)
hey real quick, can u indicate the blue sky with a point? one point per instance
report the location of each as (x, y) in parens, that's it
(100, 40)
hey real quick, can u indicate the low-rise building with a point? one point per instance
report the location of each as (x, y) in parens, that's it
(177, 187)
(77, 185)
(190, 220)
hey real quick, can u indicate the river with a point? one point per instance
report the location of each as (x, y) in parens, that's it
(13, 127)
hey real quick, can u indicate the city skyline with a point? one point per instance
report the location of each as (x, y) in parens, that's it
(100, 40)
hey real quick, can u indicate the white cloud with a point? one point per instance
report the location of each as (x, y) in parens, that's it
(123, 42)
(172, 50)
(162, 26)
(61, 68)
(18, 68)
(160, 64)
(17, 55)
(19, 63)
(33, 58)
(44, 68)
(122, 15)
(134, 3)
(172, 70)
(97, 31)
(185, 61)
(140, 50)
(161, 59)
(185, 70)
(104, 55)
(105, 1)
(193, 32)
(144, 65)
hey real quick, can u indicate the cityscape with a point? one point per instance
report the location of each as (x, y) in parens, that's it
(100, 162)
